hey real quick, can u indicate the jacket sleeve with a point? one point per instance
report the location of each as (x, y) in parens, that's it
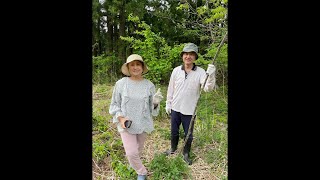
(115, 105)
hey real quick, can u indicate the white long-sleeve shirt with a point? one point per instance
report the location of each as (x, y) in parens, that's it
(133, 99)
(184, 91)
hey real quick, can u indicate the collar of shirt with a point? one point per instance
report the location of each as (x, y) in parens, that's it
(193, 68)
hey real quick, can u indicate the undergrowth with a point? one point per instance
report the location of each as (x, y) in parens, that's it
(210, 138)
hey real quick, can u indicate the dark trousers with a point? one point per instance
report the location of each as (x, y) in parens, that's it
(176, 119)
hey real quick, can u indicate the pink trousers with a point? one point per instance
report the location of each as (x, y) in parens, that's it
(133, 145)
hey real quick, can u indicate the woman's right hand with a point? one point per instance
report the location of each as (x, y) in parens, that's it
(122, 120)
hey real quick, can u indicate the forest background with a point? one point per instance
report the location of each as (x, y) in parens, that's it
(157, 30)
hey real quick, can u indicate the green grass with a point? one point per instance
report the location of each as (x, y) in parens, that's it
(210, 138)
(164, 167)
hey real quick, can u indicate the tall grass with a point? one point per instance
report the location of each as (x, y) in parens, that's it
(210, 139)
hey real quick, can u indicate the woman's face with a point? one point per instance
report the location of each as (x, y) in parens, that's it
(135, 68)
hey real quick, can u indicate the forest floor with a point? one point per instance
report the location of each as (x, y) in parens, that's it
(156, 144)
(207, 162)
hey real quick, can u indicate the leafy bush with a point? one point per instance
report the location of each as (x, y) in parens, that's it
(105, 69)
(123, 169)
(173, 168)
(160, 57)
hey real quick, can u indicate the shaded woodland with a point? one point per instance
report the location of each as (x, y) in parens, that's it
(157, 30)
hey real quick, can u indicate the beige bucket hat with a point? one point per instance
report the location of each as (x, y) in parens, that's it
(132, 57)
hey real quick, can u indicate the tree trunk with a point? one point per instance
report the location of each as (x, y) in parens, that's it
(122, 26)
(115, 39)
(109, 40)
(99, 37)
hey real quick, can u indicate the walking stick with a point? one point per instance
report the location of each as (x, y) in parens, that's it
(203, 85)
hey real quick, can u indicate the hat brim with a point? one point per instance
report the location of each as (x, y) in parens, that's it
(125, 70)
(189, 51)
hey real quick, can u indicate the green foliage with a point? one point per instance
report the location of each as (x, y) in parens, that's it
(216, 14)
(133, 18)
(99, 150)
(106, 145)
(183, 6)
(214, 102)
(219, 154)
(215, 137)
(181, 132)
(153, 48)
(222, 58)
(221, 62)
(123, 170)
(174, 56)
(98, 122)
(96, 6)
(208, 20)
(100, 115)
(220, 136)
(164, 133)
(165, 20)
(212, 110)
(105, 69)
(214, 156)
(169, 168)
(136, 7)
(101, 88)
